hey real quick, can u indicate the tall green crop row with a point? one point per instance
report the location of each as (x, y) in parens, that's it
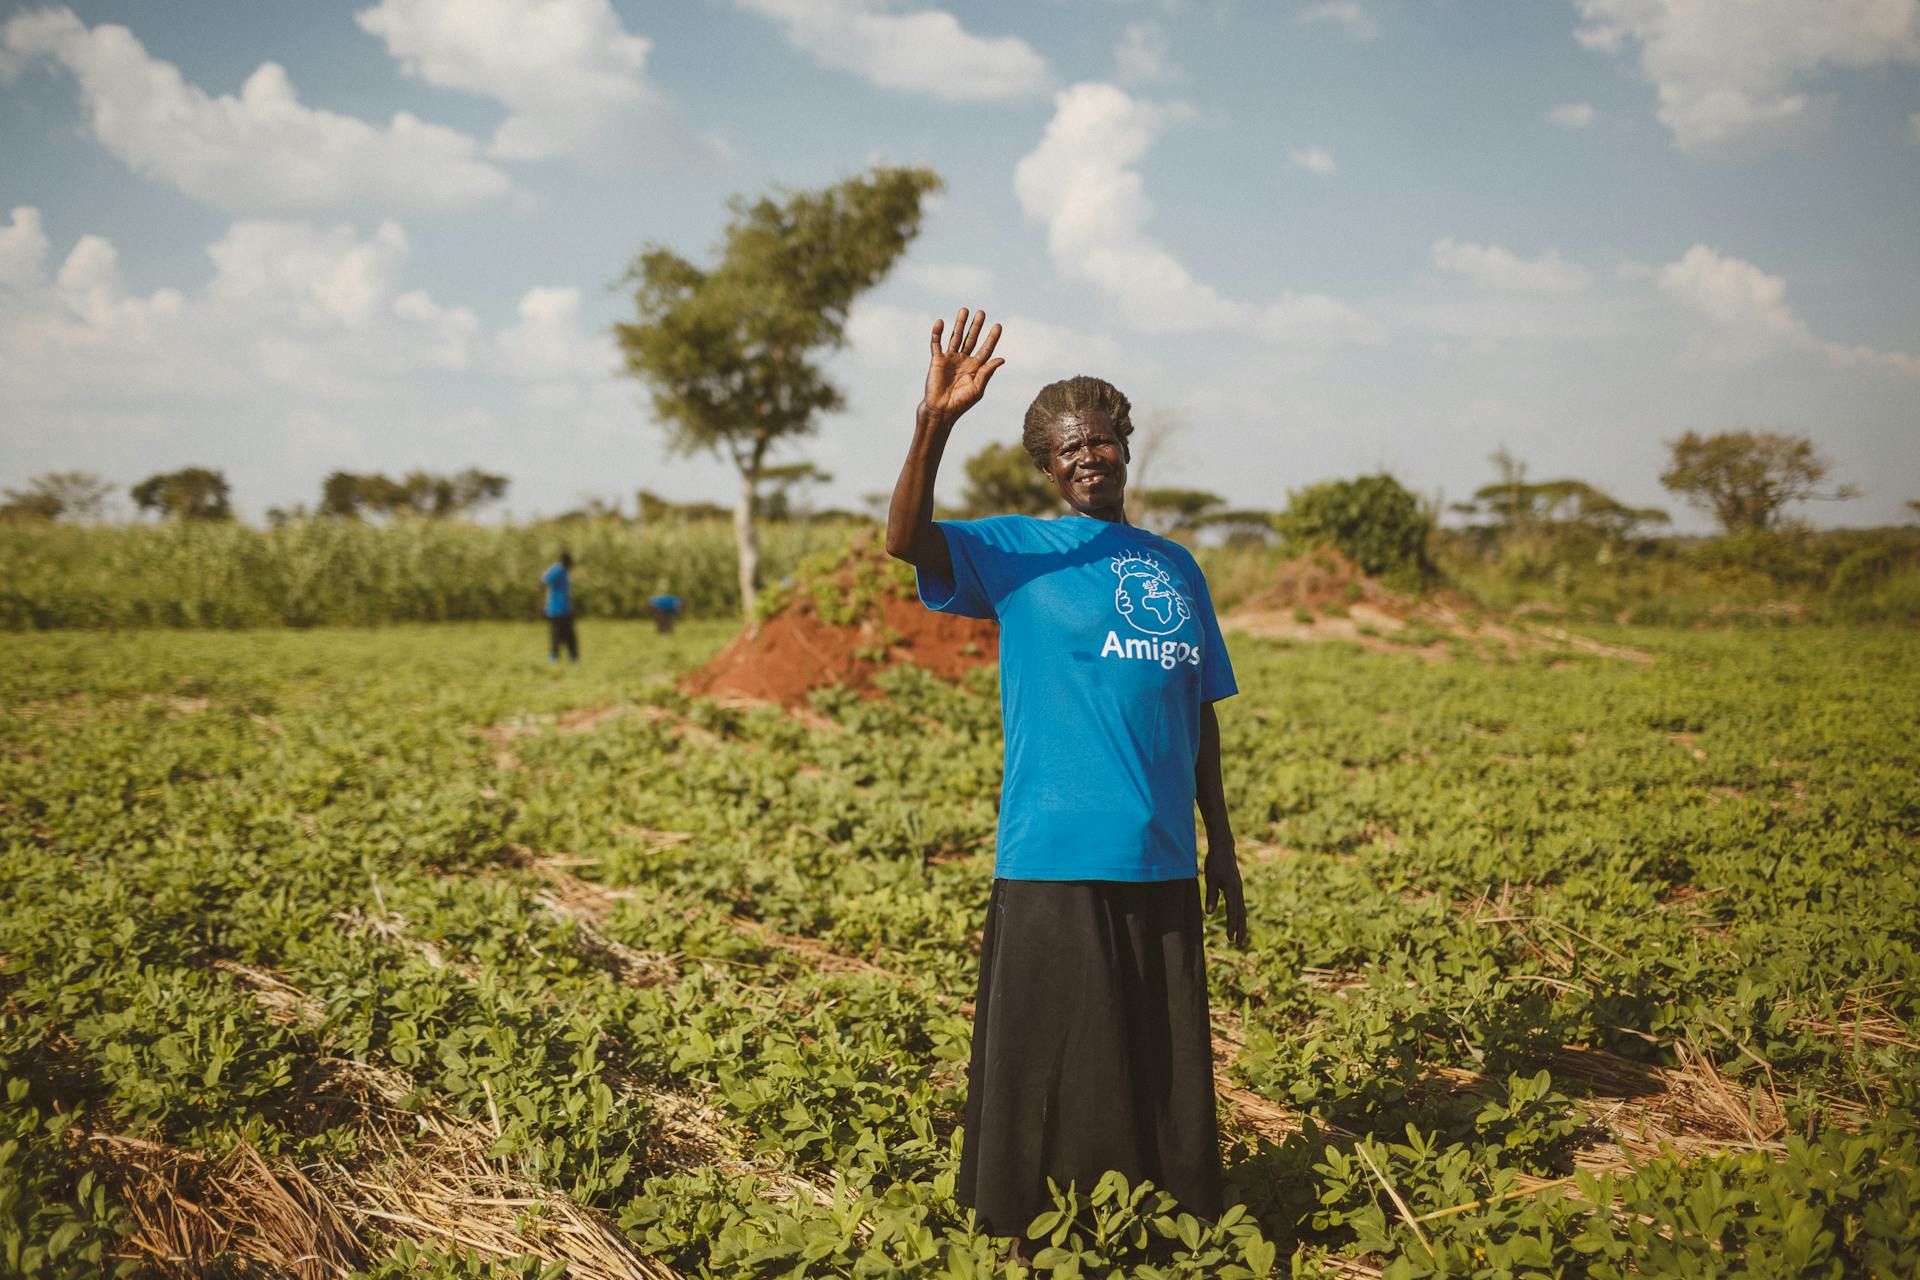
(342, 572)
(563, 907)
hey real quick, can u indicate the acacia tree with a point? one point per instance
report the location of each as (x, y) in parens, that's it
(1001, 478)
(1746, 478)
(191, 493)
(1519, 507)
(728, 352)
(418, 493)
(58, 495)
(1175, 510)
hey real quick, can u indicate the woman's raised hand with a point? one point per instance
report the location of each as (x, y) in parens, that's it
(957, 375)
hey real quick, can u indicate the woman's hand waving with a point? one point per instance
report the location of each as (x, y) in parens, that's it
(957, 375)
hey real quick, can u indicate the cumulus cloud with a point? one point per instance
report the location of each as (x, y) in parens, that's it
(1492, 267)
(1748, 314)
(263, 151)
(548, 343)
(1313, 159)
(1572, 115)
(296, 319)
(924, 51)
(1081, 183)
(23, 250)
(1144, 55)
(1351, 16)
(1732, 72)
(572, 77)
(308, 350)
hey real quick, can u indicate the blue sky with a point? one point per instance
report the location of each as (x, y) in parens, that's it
(1308, 238)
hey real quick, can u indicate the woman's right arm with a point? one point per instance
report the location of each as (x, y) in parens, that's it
(957, 377)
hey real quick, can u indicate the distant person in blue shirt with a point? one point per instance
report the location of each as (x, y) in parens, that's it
(559, 584)
(666, 610)
(1091, 1043)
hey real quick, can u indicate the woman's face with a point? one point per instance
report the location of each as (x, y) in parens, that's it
(1089, 464)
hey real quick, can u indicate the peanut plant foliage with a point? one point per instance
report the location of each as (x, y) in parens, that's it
(1562, 966)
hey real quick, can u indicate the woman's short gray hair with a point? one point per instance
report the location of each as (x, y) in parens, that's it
(1070, 399)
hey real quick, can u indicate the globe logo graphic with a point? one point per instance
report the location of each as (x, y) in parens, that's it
(1146, 598)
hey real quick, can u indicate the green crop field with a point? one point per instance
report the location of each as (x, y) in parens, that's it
(402, 951)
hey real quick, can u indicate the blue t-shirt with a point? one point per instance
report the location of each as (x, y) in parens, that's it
(559, 591)
(1108, 649)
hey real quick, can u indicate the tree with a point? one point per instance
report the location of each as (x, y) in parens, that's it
(439, 497)
(726, 351)
(58, 495)
(1175, 510)
(1746, 478)
(654, 509)
(783, 501)
(1519, 507)
(594, 508)
(418, 493)
(1508, 500)
(347, 495)
(191, 493)
(1002, 480)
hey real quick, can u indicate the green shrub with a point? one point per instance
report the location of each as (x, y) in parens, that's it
(1374, 520)
(1860, 572)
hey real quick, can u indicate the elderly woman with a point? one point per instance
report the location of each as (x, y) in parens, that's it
(1091, 1046)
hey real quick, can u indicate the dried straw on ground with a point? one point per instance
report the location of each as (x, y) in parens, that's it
(191, 1210)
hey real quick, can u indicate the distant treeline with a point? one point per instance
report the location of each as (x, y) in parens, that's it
(314, 572)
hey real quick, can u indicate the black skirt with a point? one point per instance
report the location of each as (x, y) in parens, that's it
(1091, 1048)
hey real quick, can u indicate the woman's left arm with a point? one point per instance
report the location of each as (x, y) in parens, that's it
(1223, 869)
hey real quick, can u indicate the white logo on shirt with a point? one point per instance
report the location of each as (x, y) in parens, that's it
(1150, 602)
(1146, 596)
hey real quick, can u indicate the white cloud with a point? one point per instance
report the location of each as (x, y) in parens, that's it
(925, 51)
(1144, 56)
(954, 281)
(1350, 16)
(547, 343)
(1048, 352)
(293, 311)
(1742, 300)
(23, 250)
(260, 151)
(1313, 159)
(1731, 72)
(571, 76)
(1749, 315)
(1572, 115)
(1492, 267)
(306, 351)
(1081, 184)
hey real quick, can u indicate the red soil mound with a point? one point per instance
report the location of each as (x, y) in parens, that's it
(844, 624)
